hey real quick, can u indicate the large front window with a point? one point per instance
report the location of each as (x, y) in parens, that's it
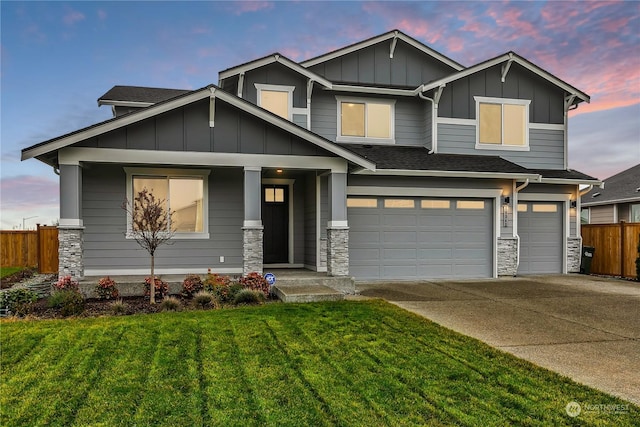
(502, 123)
(363, 120)
(184, 193)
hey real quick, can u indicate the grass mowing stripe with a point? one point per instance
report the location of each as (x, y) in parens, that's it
(15, 346)
(171, 393)
(114, 398)
(202, 380)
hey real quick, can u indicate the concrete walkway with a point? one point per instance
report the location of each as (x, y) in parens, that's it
(585, 328)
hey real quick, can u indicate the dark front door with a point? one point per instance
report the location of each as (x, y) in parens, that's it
(275, 218)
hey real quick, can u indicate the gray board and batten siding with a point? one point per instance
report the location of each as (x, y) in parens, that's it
(547, 100)
(372, 66)
(546, 147)
(275, 74)
(410, 117)
(187, 129)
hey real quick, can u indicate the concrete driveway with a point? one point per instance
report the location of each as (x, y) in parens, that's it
(583, 327)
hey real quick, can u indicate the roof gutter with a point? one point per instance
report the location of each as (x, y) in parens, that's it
(450, 174)
(570, 181)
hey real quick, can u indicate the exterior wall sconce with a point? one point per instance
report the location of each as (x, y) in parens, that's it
(574, 204)
(506, 200)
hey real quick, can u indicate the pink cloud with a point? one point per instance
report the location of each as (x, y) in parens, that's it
(241, 7)
(102, 15)
(27, 193)
(72, 17)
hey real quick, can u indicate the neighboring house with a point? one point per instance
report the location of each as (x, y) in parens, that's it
(381, 160)
(619, 200)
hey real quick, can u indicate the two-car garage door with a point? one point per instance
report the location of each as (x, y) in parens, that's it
(420, 238)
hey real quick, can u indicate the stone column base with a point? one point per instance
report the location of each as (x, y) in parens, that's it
(507, 256)
(338, 251)
(70, 249)
(252, 249)
(574, 254)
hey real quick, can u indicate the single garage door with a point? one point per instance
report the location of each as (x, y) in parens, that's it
(541, 237)
(420, 238)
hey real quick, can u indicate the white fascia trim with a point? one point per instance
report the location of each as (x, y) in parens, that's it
(482, 193)
(373, 90)
(506, 57)
(295, 129)
(450, 174)
(124, 103)
(569, 181)
(546, 126)
(270, 60)
(158, 271)
(611, 202)
(375, 40)
(453, 121)
(116, 124)
(76, 155)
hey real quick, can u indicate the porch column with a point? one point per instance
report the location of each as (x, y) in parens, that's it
(252, 230)
(337, 227)
(70, 228)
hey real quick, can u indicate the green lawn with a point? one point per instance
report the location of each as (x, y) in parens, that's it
(8, 271)
(342, 363)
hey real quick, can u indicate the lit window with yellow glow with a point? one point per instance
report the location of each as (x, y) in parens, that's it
(365, 120)
(502, 123)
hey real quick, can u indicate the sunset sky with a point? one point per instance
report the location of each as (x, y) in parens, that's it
(58, 58)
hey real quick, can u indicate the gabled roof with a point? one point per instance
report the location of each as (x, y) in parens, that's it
(507, 57)
(270, 59)
(138, 96)
(394, 34)
(623, 187)
(57, 143)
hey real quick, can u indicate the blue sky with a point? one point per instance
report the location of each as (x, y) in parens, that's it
(59, 57)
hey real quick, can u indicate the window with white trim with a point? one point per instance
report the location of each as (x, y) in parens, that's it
(184, 192)
(277, 99)
(502, 124)
(365, 120)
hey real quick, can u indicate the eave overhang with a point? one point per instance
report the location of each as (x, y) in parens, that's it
(508, 58)
(611, 202)
(276, 57)
(450, 174)
(571, 181)
(116, 103)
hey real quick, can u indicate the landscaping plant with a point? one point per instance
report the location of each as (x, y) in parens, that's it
(150, 225)
(256, 282)
(249, 297)
(118, 307)
(219, 286)
(161, 289)
(66, 282)
(107, 289)
(69, 302)
(191, 285)
(203, 299)
(18, 301)
(170, 304)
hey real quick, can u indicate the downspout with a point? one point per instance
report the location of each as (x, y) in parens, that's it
(515, 211)
(434, 129)
(579, 211)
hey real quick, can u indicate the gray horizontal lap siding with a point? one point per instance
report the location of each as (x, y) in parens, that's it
(546, 147)
(105, 245)
(410, 118)
(187, 129)
(547, 101)
(372, 66)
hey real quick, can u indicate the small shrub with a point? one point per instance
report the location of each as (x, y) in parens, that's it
(66, 282)
(256, 282)
(191, 285)
(161, 288)
(106, 289)
(18, 301)
(170, 304)
(219, 286)
(69, 302)
(118, 307)
(203, 299)
(249, 297)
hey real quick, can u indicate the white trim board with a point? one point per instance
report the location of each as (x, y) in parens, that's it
(451, 174)
(158, 271)
(480, 193)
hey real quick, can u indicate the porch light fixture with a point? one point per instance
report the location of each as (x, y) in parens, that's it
(574, 204)
(506, 200)
(278, 170)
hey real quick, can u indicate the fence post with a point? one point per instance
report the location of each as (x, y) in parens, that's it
(622, 246)
(38, 250)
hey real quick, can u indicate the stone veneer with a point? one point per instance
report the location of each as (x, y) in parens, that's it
(507, 256)
(252, 250)
(574, 254)
(70, 244)
(338, 251)
(323, 252)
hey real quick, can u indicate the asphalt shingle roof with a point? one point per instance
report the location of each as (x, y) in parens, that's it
(622, 186)
(152, 95)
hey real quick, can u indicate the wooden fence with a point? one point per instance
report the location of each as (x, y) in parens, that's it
(31, 248)
(616, 248)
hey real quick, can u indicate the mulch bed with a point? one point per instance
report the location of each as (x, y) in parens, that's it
(8, 281)
(97, 308)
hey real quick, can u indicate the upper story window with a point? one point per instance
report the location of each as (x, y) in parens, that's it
(502, 124)
(277, 99)
(365, 120)
(184, 192)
